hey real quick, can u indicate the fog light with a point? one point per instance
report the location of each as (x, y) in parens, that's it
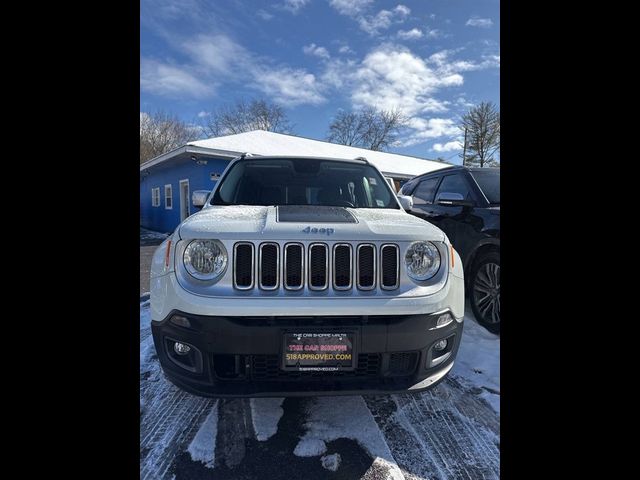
(443, 320)
(439, 346)
(181, 348)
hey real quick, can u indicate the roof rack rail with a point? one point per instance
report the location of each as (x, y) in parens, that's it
(362, 158)
(244, 155)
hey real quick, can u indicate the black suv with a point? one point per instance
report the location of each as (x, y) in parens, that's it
(465, 204)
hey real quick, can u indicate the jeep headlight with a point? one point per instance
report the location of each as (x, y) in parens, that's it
(422, 260)
(205, 259)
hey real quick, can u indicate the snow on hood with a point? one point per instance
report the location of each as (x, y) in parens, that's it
(242, 222)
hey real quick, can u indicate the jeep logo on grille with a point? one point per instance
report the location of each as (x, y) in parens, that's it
(321, 231)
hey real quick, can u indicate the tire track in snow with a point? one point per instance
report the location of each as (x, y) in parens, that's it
(432, 435)
(169, 417)
(273, 456)
(333, 418)
(447, 432)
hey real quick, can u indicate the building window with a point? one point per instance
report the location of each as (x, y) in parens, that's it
(155, 197)
(168, 197)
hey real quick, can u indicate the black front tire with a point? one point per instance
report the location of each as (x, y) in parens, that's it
(484, 291)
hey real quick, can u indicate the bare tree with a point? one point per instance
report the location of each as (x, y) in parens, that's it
(347, 129)
(368, 128)
(246, 116)
(482, 126)
(161, 132)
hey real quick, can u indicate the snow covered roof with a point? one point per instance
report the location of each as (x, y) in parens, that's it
(260, 142)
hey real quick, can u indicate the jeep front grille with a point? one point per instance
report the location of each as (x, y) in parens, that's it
(366, 266)
(389, 266)
(243, 266)
(318, 266)
(342, 271)
(293, 266)
(269, 266)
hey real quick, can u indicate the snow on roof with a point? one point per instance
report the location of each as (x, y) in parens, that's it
(260, 142)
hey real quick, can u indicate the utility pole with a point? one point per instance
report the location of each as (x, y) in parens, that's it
(464, 148)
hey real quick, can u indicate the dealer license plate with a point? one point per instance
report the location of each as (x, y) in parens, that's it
(318, 352)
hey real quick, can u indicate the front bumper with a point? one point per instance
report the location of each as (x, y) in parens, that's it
(240, 356)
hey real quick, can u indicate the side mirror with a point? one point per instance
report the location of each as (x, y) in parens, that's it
(450, 199)
(199, 197)
(406, 202)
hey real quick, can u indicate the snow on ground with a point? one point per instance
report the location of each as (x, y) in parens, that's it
(151, 235)
(331, 462)
(310, 447)
(203, 446)
(265, 415)
(169, 417)
(331, 418)
(447, 432)
(478, 360)
(147, 350)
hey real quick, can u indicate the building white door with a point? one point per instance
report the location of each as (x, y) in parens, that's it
(184, 199)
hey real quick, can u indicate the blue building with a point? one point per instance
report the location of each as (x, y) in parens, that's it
(166, 182)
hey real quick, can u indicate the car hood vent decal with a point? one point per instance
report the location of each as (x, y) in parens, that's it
(313, 214)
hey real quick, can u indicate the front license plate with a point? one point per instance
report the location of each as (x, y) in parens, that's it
(318, 352)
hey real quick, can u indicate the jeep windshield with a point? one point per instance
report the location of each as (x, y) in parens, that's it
(303, 181)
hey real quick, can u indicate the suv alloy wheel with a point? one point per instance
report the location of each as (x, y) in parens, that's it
(485, 291)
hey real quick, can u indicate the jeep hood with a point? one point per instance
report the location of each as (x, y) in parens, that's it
(240, 222)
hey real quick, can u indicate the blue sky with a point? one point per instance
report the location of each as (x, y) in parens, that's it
(430, 58)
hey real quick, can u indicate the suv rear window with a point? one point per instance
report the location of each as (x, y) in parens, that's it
(455, 184)
(489, 182)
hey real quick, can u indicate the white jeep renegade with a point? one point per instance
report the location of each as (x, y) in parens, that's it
(305, 276)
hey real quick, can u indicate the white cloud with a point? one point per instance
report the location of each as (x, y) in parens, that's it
(391, 76)
(289, 86)
(416, 33)
(412, 34)
(217, 54)
(479, 22)
(350, 7)
(447, 147)
(443, 62)
(217, 59)
(220, 55)
(203, 114)
(463, 102)
(171, 81)
(316, 50)
(345, 49)
(383, 19)
(338, 73)
(428, 129)
(294, 6)
(263, 14)
(435, 33)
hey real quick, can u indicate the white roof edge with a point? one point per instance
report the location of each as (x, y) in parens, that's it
(187, 149)
(261, 143)
(161, 158)
(391, 174)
